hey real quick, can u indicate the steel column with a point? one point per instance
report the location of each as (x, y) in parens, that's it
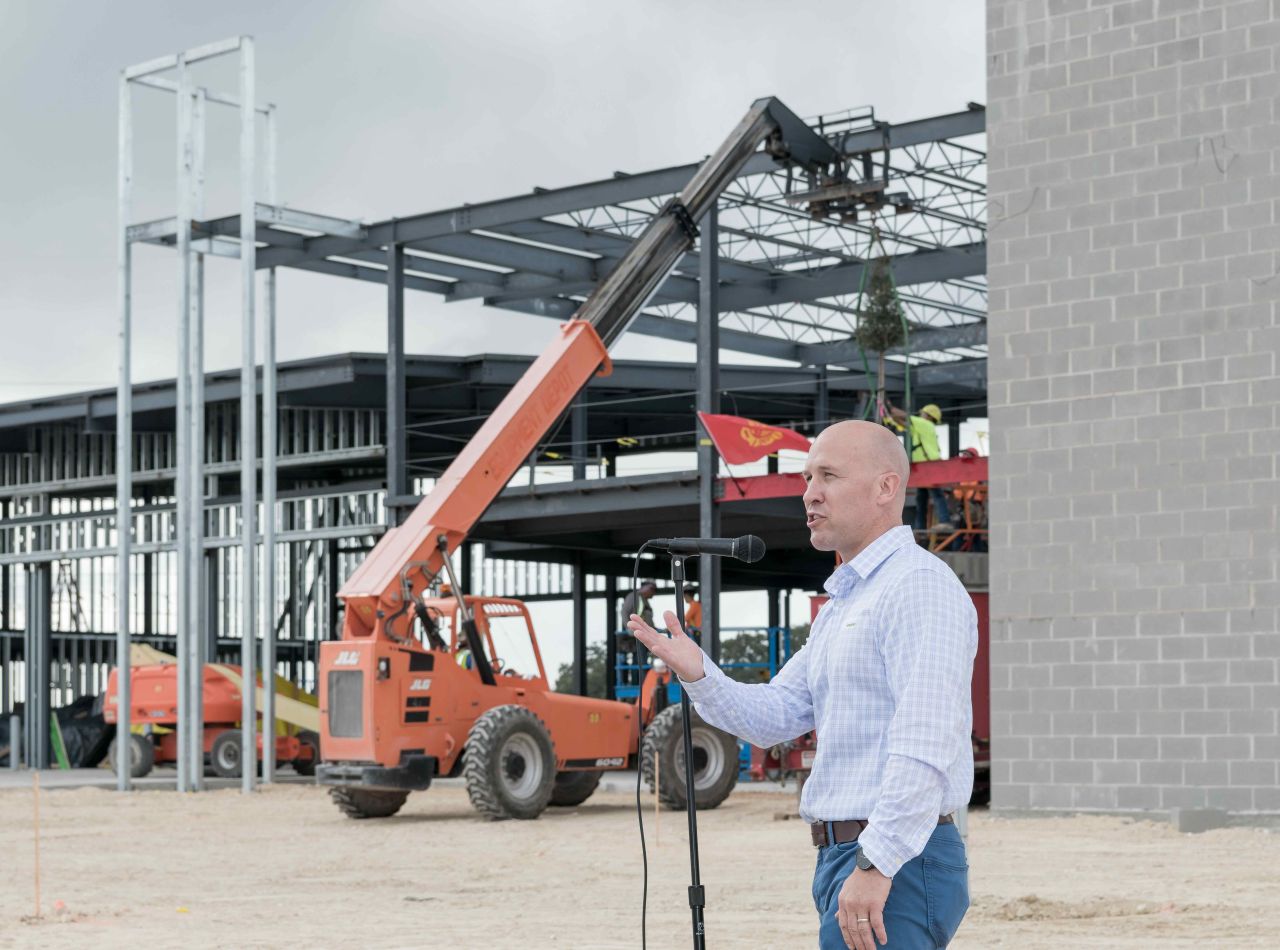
(124, 426)
(466, 568)
(36, 653)
(708, 400)
(248, 412)
(579, 625)
(397, 480)
(822, 400)
(212, 616)
(182, 425)
(193, 728)
(578, 436)
(610, 641)
(269, 449)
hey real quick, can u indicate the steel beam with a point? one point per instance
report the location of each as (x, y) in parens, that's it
(193, 55)
(966, 373)
(617, 190)
(273, 215)
(949, 263)
(939, 338)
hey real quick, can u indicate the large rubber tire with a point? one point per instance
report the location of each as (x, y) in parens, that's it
(142, 754)
(573, 788)
(511, 764)
(307, 767)
(715, 756)
(367, 802)
(225, 757)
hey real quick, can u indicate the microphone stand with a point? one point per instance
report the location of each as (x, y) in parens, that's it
(697, 894)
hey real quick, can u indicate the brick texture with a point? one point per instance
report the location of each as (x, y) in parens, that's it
(1134, 277)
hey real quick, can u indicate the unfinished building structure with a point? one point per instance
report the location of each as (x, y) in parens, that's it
(358, 437)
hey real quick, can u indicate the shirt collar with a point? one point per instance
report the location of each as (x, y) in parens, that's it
(871, 557)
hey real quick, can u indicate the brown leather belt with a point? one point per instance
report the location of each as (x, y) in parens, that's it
(842, 832)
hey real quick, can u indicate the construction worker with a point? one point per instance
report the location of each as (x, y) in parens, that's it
(924, 448)
(637, 602)
(630, 653)
(692, 611)
(884, 679)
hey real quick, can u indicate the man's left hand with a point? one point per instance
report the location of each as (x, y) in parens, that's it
(860, 909)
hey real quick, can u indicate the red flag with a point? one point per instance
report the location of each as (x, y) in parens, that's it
(741, 440)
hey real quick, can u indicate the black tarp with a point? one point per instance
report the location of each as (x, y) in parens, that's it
(85, 735)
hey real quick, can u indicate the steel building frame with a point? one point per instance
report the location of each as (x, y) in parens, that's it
(778, 274)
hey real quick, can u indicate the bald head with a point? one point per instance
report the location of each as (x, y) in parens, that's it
(856, 474)
(871, 447)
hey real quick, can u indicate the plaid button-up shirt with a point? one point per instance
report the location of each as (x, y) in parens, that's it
(885, 680)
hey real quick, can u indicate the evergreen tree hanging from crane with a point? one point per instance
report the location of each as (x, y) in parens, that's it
(881, 325)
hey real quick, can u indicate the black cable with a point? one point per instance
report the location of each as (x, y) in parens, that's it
(644, 851)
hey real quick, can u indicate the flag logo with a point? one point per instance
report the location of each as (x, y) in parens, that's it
(760, 437)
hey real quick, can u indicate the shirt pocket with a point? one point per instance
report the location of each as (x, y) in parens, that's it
(853, 650)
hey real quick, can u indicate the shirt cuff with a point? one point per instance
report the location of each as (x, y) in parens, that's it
(706, 687)
(880, 853)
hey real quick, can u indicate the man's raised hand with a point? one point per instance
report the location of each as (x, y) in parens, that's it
(678, 651)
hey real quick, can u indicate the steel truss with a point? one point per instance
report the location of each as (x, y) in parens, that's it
(791, 267)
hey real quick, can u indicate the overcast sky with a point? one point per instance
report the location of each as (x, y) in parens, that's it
(396, 108)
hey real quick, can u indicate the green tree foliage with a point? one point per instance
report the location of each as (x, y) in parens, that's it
(881, 325)
(742, 648)
(754, 648)
(595, 673)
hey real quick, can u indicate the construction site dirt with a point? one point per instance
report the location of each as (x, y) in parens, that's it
(285, 868)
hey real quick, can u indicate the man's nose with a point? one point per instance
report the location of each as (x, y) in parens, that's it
(810, 492)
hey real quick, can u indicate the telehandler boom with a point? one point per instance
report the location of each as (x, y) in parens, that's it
(391, 716)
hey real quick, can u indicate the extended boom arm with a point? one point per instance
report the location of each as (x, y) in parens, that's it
(379, 595)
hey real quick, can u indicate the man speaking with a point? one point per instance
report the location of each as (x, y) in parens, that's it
(884, 679)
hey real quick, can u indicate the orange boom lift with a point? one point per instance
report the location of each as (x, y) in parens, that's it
(397, 708)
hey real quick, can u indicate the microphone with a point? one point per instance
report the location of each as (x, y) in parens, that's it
(747, 548)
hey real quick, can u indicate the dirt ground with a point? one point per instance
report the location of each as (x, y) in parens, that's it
(285, 869)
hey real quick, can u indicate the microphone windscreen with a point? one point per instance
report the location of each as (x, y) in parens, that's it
(750, 548)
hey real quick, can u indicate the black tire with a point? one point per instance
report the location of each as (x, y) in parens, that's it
(367, 802)
(511, 764)
(142, 754)
(715, 756)
(573, 788)
(225, 757)
(307, 767)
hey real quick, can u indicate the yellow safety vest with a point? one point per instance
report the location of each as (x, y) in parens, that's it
(924, 440)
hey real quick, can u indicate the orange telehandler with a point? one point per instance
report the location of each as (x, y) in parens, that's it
(415, 689)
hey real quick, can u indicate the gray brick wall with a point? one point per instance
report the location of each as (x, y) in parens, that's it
(1135, 273)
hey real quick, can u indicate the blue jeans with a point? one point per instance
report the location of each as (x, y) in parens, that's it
(927, 901)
